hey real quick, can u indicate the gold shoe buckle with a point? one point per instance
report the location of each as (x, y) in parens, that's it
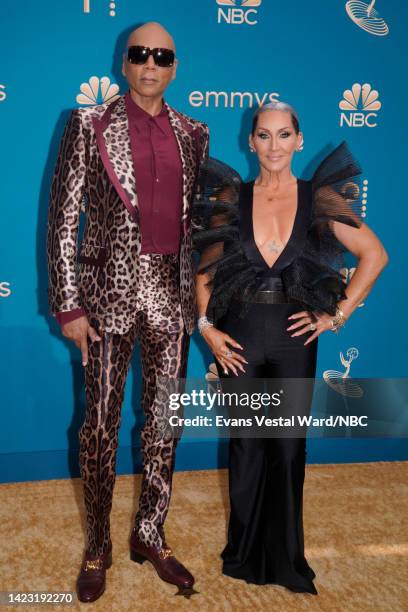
(165, 552)
(95, 564)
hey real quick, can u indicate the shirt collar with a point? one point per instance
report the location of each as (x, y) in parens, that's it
(138, 115)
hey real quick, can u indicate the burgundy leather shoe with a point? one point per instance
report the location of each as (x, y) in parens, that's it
(92, 577)
(163, 561)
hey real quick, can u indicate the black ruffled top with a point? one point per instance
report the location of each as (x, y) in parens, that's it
(307, 269)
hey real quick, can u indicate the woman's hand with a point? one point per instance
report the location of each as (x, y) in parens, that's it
(218, 342)
(315, 321)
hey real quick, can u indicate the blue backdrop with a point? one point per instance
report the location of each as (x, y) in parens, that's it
(338, 63)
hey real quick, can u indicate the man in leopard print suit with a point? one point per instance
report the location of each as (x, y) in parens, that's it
(131, 166)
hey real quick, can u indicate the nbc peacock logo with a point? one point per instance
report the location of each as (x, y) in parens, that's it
(97, 91)
(238, 12)
(359, 105)
(366, 17)
(242, 3)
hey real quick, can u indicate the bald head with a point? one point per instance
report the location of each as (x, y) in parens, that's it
(151, 34)
(148, 80)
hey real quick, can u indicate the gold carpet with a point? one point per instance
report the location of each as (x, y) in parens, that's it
(356, 539)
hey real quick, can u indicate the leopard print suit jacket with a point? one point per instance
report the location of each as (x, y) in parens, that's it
(94, 174)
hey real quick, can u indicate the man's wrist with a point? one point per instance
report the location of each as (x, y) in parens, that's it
(67, 316)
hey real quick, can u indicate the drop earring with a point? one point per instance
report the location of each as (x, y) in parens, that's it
(300, 147)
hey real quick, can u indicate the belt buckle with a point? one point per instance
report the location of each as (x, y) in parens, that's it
(269, 296)
(163, 256)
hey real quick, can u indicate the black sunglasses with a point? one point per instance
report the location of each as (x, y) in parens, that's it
(139, 55)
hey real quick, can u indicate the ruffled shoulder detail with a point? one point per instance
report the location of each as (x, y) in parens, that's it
(216, 237)
(215, 213)
(337, 194)
(314, 276)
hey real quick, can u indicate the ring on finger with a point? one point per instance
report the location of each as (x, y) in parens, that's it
(312, 326)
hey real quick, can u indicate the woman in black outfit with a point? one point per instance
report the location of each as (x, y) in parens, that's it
(268, 286)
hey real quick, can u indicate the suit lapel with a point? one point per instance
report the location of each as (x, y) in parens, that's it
(112, 137)
(183, 131)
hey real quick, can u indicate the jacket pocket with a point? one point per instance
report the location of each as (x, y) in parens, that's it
(92, 254)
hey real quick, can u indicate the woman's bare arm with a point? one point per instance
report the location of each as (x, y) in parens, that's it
(372, 258)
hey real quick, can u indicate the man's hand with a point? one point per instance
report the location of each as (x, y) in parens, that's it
(78, 331)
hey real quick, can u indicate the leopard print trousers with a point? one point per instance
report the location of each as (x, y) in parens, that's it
(159, 328)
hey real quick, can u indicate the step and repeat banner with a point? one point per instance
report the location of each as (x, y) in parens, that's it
(340, 64)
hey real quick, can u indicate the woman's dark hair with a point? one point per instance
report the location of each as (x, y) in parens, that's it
(276, 105)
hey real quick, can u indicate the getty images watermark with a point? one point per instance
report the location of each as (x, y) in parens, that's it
(252, 401)
(285, 408)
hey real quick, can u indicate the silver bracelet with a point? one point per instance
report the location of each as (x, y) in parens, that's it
(203, 323)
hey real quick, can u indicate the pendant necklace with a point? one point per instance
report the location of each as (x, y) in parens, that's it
(275, 247)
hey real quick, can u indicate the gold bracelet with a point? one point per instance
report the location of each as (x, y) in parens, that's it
(338, 320)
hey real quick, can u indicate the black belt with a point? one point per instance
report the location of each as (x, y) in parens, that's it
(271, 292)
(268, 297)
(160, 256)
